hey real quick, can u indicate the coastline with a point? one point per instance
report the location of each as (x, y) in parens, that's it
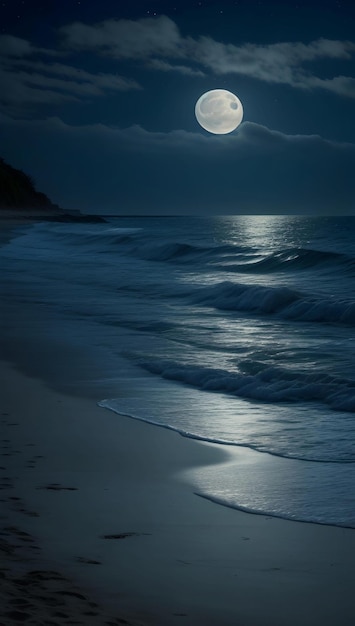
(104, 499)
(116, 529)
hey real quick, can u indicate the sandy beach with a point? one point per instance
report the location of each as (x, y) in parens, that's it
(97, 522)
(100, 524)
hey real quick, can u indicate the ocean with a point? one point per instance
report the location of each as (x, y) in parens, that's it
(233, 330)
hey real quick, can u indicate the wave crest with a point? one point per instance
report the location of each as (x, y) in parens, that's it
(267, 384)
(286, 303)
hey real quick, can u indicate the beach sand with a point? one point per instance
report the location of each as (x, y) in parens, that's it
(99, 524)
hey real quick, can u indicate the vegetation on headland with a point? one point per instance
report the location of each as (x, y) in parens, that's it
(18, 193)
(17, 190)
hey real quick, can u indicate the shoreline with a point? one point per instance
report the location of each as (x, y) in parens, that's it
(109, 508)
(107, 501)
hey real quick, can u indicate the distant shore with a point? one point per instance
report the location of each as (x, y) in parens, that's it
(28, 216)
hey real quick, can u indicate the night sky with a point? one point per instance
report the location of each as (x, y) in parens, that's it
(97, 104)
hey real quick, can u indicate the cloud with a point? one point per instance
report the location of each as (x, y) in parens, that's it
(255, 170)
(158, 42)
(275, 63)
(126, 39)
(14, 46)
(20, 90)
(25, 80)
(342, 85)
(76, 79)
(164, 66)
(11, 46)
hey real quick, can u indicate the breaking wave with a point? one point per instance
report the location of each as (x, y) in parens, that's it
(265, 384)
(283, 301)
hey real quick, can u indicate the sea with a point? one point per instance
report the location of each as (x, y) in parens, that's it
(236, 330)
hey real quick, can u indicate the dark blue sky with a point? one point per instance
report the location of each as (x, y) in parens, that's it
(97, 104)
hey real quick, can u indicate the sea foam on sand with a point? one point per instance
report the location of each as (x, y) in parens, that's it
(105, 503)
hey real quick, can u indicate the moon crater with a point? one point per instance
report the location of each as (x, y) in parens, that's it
(219, 111)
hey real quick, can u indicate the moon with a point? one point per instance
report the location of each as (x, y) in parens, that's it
(219, 111)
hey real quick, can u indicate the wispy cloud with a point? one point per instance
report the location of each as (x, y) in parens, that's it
(15, 46)
(159, 43)
(31, 75)
(165, 66)
(126, 39)
(342, 85)
(286, 63)
(27, 80)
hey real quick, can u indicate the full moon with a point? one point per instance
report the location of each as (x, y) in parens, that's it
(219, 111)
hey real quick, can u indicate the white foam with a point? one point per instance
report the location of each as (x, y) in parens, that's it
(269, 485)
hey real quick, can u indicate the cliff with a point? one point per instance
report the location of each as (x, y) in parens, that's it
(17, 190)
(19, 198)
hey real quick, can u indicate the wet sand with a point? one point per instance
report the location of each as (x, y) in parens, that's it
(99, 523)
